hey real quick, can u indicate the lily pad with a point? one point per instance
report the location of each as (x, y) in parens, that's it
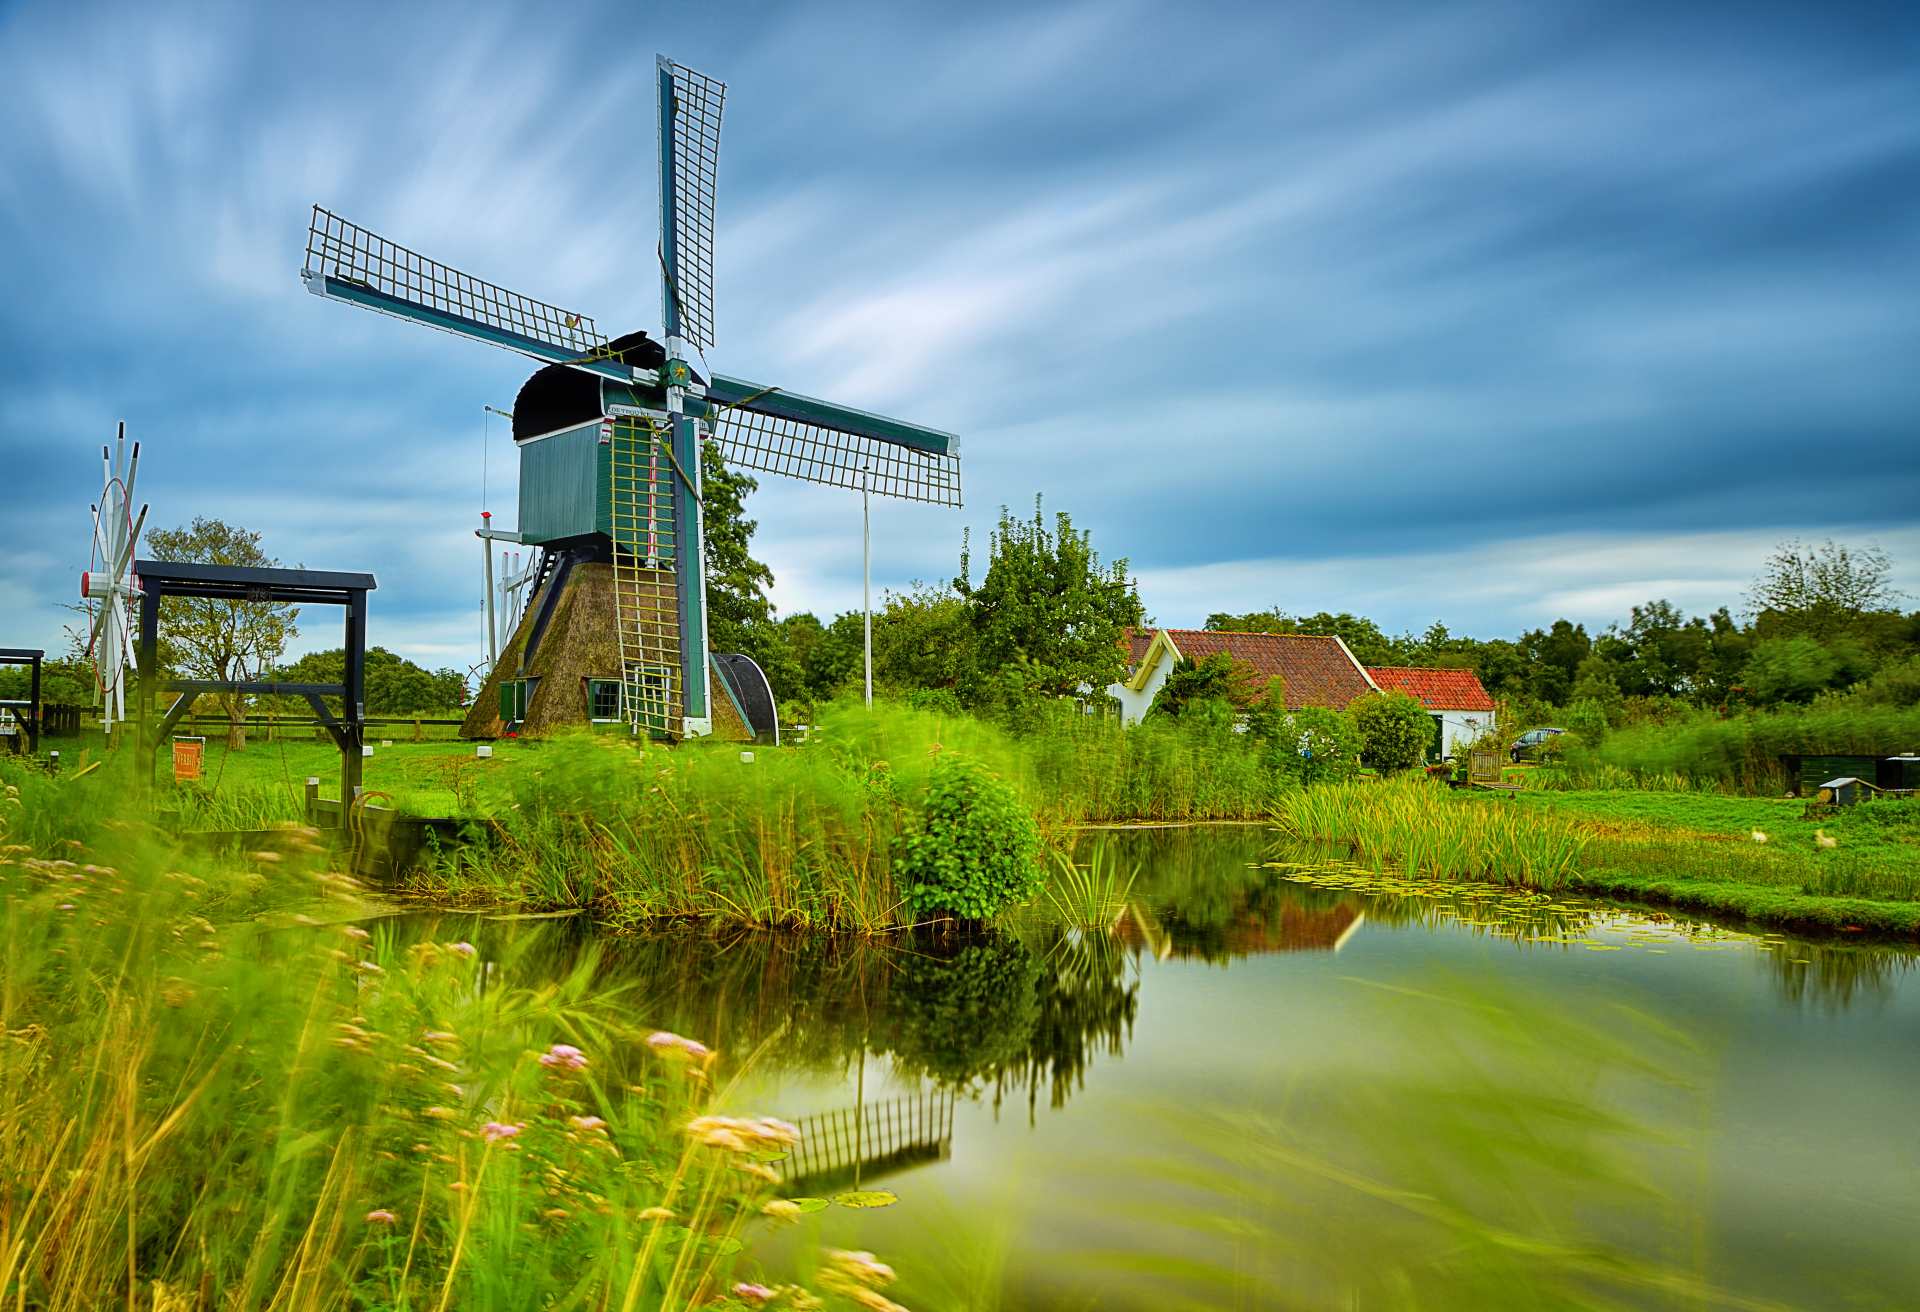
(867, 1198)
(807, 1205)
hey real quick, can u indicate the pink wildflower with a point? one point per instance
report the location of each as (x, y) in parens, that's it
(381, 1216)
(752, 1293)
(563, 1056)
(675, 1048)
(495, 1131)
(587, 1123)
(463, 950)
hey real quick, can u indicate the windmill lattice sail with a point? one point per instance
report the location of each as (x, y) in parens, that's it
(349, 262)
(691, 104)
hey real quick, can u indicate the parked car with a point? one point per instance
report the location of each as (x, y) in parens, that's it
(1527, 745)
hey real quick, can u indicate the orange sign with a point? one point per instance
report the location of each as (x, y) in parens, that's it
(187, 753)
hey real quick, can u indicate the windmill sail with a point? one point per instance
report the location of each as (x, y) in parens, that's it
(779, 432)
(346, 262)
(690, 105)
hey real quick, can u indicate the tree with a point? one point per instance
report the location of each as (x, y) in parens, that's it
(1363, 637)
(1822, 590)
(1555, 655)
(923, 638)
(1598, 681)
(1795, 669)
(1219, 685)
(1395, 730)
(738, 612)
(1048, 615)
(231, 641)
(394, 684)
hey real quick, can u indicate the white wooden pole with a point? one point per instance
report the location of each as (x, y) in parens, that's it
(486, 554)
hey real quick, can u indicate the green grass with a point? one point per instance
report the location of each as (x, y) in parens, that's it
(210, 1099)
(1690, 850)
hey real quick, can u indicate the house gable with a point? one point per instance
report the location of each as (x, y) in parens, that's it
(1317, 670)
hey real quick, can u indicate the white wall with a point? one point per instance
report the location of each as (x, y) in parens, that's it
(1133, 705)
(1458, 729)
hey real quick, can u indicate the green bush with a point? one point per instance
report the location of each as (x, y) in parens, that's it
(1320, 746)
(975, 850)
(1394, 731)
(937, 701)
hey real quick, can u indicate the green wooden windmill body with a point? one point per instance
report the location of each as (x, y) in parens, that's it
(613, 479)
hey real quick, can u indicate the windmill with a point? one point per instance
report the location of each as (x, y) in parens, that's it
(109, 584)
(609, 435)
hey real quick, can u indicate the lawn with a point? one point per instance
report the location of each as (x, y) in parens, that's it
(267, 780)
(1685, 849)
(1700, 850)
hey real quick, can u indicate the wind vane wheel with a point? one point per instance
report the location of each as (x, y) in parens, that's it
(609, 433)
(109, 583)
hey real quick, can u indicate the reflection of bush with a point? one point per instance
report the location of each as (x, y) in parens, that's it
(958, 1016)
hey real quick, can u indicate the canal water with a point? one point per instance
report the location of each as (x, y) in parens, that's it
(1304, 1086)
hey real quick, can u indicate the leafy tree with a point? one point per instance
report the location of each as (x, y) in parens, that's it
(64, 681)
(1660, 651)
(395, 685)
(205, 638)
(1795, 669)
(1819, 591)
(1363, 637)
(1598, 681)
(1048, 615)
(1394, 729)
(737, 584)
(1897, 684)
(1554, 655)
(923, 638)
(1219, 681)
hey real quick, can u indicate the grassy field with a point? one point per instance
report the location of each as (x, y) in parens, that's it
(1692, 850)
(266, 780)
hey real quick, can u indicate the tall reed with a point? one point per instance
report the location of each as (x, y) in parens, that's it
(210, 1098)
(1422, 830)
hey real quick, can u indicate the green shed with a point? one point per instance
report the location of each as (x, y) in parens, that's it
(568, 479)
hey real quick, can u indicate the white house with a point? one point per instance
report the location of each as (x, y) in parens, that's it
(1460, 707)
(1317, 670)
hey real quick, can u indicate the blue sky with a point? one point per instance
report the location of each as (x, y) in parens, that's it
(1478, 313)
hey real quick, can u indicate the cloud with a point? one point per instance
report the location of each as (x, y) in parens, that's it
(1390, 307)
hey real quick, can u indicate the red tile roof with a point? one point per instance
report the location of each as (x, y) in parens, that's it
(1136, 641)
(1438, 690)
(1318, 670)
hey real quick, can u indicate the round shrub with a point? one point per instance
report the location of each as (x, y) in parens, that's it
(1394, 731)
(974, 850)
(1318, 746)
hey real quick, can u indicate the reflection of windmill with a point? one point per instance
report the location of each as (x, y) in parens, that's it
(109, 584)
(851, 1145)
(609, 438)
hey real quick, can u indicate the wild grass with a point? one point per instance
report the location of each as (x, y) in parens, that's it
(804, 837)
(209, 1098)
(1422, 830)
(1688, 849)
(791, 838)
(1090, 897)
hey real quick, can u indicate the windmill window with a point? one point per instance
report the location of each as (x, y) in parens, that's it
(514, 696)
(603, 700)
